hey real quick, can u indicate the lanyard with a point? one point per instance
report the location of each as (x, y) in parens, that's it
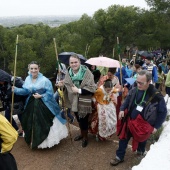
(142, 98)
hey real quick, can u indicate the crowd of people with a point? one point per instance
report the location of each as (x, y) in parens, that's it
(102, 105)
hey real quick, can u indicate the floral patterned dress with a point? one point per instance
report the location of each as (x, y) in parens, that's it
(103, 119)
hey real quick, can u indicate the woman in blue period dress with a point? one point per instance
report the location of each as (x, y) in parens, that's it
(41, 121)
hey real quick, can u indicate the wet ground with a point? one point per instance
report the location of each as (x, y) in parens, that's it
(68, 155)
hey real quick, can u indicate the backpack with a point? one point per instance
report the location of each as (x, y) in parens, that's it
(6, 96)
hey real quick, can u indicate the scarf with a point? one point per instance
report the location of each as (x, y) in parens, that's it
(72, 99)
(76, 78)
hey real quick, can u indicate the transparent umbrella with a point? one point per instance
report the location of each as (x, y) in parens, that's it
(103, 61)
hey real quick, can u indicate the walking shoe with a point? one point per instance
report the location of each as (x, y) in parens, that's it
(71, 120)
(77, 138)
(115, 162)
(141, 153)
(21, 134)
(84, 143)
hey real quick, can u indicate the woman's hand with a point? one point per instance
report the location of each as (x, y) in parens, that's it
(119, 88)
(60, 84)
(74, 89)
(37, 96)
(13, 87)
(121, 115)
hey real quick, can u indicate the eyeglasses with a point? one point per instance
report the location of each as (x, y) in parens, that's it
(141, 83)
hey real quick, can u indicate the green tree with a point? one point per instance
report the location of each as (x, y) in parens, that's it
(116, 21)
(134, 27)
(159, 5)
(2, 48)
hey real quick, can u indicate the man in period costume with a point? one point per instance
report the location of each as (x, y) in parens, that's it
(79, 88)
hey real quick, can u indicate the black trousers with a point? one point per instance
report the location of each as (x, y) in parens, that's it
(8, 117)
(83, 122)
(7, 162)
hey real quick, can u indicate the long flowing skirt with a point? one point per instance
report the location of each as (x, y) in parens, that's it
(104, 120)
(39, 124)
(57, 132)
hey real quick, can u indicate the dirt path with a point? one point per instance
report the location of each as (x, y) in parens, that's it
(71, 156)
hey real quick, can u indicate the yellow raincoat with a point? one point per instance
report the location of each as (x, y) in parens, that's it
(8, 135)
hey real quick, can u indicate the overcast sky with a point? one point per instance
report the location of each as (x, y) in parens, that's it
(60, 7)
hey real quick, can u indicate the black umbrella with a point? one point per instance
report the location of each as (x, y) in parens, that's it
(145, 54)
(64, 57)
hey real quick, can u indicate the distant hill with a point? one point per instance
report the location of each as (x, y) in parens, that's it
(52, 21)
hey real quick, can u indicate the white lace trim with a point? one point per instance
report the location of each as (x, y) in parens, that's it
(107, 119)
(57, 132)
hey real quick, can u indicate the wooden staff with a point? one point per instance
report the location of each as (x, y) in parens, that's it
(128, 52)
(119, 61)
(113, 52)
(134, 57)
(62, 99)
(55, 48)
(121, 77)
(86, 51)
(15, 63)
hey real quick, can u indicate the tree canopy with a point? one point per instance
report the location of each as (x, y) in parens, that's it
(89, 36)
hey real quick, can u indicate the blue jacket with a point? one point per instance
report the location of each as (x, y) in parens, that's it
(124, 75)
(44, 87)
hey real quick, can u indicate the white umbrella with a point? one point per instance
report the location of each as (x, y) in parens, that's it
(103, 61)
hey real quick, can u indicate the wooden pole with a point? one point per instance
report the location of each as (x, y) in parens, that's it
(119, 61)
(62, 99)
(15, 63)
(113, 52)
(134, 57)
(56, 53)
(134, 61)
(129, 54)
(86, 51)
(121, 77)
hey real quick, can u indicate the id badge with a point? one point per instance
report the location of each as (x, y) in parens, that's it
(139, 108)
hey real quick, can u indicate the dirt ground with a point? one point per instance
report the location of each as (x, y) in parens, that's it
(69, 155)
